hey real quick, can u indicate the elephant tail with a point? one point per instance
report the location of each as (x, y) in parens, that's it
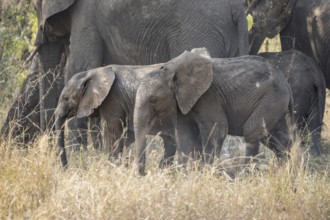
(321, 96)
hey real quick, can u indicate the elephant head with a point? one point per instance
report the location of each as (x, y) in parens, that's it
(82, 94)
(47, 12)
(178, 84)
(269, 18)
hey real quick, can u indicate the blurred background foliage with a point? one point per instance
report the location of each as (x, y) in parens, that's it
(18, 26)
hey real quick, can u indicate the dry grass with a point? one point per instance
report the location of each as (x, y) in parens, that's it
(34, 186)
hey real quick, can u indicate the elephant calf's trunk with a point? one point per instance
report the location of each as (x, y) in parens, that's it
(60, 140)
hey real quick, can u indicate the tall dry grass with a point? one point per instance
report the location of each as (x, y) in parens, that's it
(34, 186)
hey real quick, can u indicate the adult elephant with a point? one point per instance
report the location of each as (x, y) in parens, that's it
(303, 25)
(138, 31)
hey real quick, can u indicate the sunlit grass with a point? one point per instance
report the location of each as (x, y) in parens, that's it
(34, 186)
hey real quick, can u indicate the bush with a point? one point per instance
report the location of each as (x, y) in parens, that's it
(18, 25)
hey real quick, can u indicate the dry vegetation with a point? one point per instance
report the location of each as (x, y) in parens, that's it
(34, 186)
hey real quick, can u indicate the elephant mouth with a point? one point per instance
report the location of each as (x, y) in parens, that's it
(69, 113)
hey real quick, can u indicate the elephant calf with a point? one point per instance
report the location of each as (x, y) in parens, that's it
(111, 90)
(210, 98)
(308, 87)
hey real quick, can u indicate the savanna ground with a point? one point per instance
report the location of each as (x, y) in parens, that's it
(34, 186)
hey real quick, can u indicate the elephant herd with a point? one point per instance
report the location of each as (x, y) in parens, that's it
(132, 66)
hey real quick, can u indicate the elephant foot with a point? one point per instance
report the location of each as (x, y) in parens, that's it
(166, 162)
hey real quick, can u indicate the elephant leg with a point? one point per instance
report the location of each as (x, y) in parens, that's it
(280, 139)
(254, 131)
(77, 134)
(51, 81)
(213, 138)
(315, 127)
(170, 149)
(252, 150)
(125, 141)
(188, 139)
(82, 57)
(95, 128)
(22, 121)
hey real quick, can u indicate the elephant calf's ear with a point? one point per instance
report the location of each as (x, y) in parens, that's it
(193, 76)
(96, 87)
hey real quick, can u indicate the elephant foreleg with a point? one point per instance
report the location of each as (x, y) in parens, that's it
(95, 128)
(170, 148)
(213, 138)
(77, 134)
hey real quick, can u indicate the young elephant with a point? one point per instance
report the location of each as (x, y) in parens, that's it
(308, 88)
(111, 90)
(244, 96)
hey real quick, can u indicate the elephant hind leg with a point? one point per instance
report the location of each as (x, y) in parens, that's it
(280, 140)
(315, 127)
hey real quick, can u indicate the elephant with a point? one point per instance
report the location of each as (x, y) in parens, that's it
(210, 98)
(309, 91)
(111, 90)
(22, 120)
(303, 25)
(135, 32)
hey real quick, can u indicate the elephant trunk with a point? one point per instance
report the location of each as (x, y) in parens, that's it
(60, 140)
(255, 41)
(51, 82)
(141, 128)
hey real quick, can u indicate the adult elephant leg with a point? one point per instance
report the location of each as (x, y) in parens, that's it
(22, 121)
(83, 57)
(51, 81)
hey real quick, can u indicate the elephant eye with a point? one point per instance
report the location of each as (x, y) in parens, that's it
(153, 99)
(66, 98)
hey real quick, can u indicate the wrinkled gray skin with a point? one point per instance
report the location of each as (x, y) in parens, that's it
(22, 121)
(308, 88)
(111, 90)
(136, 32)
(303, 25)
(211, 98)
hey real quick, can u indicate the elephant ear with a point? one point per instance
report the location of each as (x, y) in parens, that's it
(193, 75)
(95, 88)
(52, 7)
